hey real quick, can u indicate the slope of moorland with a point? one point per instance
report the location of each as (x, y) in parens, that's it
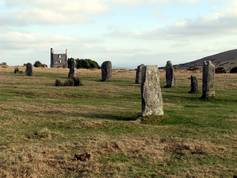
(226, 60)
(91, 131)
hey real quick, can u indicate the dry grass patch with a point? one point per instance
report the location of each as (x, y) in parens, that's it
(87, 131)
(78, 159)
(43, 134)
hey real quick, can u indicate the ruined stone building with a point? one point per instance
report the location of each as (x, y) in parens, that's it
(58, 60)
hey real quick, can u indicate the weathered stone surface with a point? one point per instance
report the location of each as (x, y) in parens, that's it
(71, 66)
(29, 69)
(77, 81)
(194, 85)
(208, 89)
(58, 83)
(139, 73)
(69, 83)
(152, 102)
(170, 79)
(106, 71)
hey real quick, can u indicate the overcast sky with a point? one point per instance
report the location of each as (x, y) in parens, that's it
(127, 32)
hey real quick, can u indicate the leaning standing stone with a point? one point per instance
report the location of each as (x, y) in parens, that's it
(170, 80)
(208, 89)
(152, 102)
(29, 69)
(194, 85)
(139, 73)
(106, 71)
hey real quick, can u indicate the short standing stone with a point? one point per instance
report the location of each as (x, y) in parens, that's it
(170, 79)
(29, 69)
(139, 73)
(152, 102)
(71, 66)
(77, 81)
(208, 89)
(69, 82)
(16, 70)
(194, 85)
(58, 83)
(106, 71)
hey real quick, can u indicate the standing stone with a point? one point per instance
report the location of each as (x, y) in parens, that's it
(208, 89)
(71, 66)
(194, 85)
(106, 71)
(139, 74)
(16, 70)
(170, 80)
(29, 69)
(152, 102)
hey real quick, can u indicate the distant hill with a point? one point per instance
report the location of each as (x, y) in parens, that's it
(226, 60)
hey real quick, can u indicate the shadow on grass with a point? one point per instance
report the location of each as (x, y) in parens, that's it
(191, 98)
(110, 116)
(119, 82)
(197, 99)
(91, 115)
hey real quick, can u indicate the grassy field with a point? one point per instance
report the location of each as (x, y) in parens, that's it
(91, 131)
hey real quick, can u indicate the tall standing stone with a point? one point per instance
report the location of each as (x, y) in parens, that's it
(194, 85)
(170, 79)
(208, 89)
(71, 66)
(152, 102)
(29, 69)
(106, 71)
(139, 74)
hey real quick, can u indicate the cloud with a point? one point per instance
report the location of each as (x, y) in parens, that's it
(64, 12)
(201, 27)
(140, 2)
(221, 23)
(189, 38)
(184, 40)
(21, 47)
(28, 12)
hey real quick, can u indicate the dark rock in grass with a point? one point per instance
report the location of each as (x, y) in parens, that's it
(69, 83)
(139, 73)
(208, 88)
(58, 83)
(82, 157)
(77, 81)
(194, 85)
(152, 102)
(170, 79)
(106, 71)
(29, 69)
